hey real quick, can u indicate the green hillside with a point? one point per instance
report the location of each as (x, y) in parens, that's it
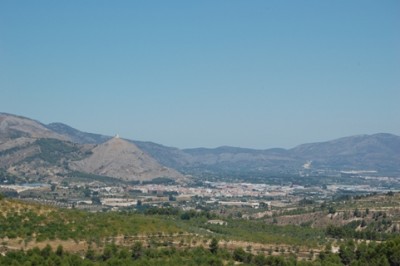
(33, 234)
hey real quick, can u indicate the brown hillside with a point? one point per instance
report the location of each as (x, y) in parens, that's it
(12, 127)
(122, 159)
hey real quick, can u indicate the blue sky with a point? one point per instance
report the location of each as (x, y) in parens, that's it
(257, 74)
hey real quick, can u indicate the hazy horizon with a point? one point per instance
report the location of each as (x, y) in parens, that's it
(259, 74)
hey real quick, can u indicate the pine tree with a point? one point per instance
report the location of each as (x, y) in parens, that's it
(213, 246)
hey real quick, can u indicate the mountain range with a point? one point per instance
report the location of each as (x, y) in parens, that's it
(28, 146)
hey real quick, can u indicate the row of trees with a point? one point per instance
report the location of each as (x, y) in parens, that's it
(383, 254)
(375, 231)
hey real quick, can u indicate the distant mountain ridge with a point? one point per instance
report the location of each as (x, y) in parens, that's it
(374, 152)
(380, 152)
(49, 152)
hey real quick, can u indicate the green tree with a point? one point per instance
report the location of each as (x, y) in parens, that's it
(213, 246)
(109, 251)
(264, 205)
(46, 251)
(60, 251)
(137, 250)
(394, 252)
(346, 254)
(260, 260)
(239, 255)
(96, 200)
(363, 223)
(185, 216)
(90, 255)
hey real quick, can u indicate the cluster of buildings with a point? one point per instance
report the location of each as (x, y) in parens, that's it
(99, 196)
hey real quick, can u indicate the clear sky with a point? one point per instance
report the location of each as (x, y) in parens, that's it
(257, 74)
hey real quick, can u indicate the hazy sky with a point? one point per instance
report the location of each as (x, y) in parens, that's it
(184, 73)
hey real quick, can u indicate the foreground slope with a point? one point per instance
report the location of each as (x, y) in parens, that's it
(165, 236)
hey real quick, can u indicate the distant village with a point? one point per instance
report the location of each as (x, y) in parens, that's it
(99, 196)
